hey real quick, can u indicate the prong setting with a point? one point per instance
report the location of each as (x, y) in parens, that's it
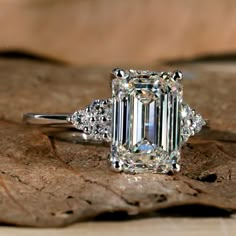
(120, 73)
(176, 168)
(116, 166)
(177, 75)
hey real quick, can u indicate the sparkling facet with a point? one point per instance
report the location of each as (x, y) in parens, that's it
(146, 122)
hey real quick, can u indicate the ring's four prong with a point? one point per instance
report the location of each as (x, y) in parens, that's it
(177, 75)
(119, 73)
(116, 166)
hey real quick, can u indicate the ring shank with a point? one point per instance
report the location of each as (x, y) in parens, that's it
(62, 121)
(47, 119)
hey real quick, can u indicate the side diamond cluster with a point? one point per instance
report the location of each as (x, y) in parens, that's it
(191, 122)
(94, 120)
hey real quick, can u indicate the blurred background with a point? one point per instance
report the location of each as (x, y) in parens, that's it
(117, 32)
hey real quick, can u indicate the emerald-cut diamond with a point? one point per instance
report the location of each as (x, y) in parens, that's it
(146, 121)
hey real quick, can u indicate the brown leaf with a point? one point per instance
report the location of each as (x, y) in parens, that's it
(45, 182)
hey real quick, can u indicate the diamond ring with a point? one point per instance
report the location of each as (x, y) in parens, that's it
(146, 121)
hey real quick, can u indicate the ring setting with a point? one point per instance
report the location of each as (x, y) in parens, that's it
(146, 121)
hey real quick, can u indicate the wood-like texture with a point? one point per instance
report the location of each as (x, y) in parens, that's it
(45, 182)
(118, 32)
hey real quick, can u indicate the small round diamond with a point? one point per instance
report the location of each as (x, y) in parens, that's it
(95, 120)
(198, 122)
(191, 122)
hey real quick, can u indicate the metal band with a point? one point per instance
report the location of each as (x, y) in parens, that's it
(93, 123)
(62, 121)
(54, 120)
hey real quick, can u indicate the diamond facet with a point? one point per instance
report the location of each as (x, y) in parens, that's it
(146, 121)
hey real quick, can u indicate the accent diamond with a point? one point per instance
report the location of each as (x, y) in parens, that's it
(95, 120)
(191, 122)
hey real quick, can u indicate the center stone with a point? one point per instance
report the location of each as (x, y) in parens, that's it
(146, 122)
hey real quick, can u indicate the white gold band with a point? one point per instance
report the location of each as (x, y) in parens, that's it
(47, 119)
